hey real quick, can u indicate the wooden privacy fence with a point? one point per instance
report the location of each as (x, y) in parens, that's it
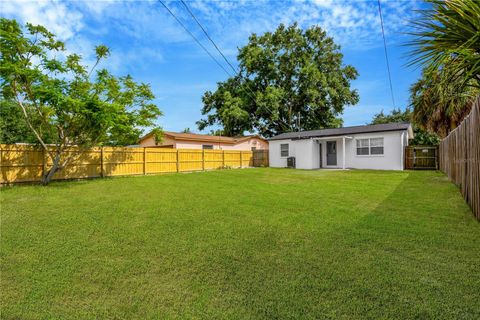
(20, 163)
(421, 158)
(460, 157)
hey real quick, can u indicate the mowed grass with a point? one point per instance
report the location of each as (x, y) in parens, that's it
(241, 244)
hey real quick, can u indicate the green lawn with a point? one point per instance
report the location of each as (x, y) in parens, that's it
(252, 243)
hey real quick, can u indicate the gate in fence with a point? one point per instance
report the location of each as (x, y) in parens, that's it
(260, 158)
(421, 158)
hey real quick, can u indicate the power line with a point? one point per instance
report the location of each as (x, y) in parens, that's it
(218, 49)
(386, 54)
(194, 38)
(208, 36)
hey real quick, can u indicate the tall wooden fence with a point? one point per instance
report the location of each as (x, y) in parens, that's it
(21, 163)
(460, 157)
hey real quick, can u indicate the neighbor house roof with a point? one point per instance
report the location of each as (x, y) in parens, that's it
(343, 131)
(204, 137)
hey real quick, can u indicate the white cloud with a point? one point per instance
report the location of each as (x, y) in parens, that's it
(97, 6)
(323, 3)
(353, 24)
(55, 16)
(132, 59)
(142, 20)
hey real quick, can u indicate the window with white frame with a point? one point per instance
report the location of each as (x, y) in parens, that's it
(372, 146)
(284, 150)
(362, 147)
(376, 146)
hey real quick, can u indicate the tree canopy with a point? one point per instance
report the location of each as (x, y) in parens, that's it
(421, 137)
(53, 89)
(14, 128)
(446, 44)
(289, 79)
(447, 35)
(440, 102)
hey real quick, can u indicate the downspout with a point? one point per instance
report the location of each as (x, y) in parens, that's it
(402, 153)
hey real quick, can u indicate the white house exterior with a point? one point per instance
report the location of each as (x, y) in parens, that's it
(378, 146)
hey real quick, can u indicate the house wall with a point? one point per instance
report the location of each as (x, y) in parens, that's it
(392, 158)
(259, 144)
(302, 150)
(150, 142)
(323, 145)
(198, 145)
(306, 152)
(274, 156)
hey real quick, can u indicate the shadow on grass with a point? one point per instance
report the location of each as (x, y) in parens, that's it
(415, 253)
(413, 256)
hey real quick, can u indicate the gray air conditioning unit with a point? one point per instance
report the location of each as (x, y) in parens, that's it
(291, 162)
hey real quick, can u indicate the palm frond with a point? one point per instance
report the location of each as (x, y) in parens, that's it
(448, 32)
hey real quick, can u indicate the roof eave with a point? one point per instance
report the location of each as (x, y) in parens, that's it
(334, 135)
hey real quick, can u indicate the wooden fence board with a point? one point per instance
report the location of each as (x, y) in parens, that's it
(460, 157)
(213, 159)
(25, 163)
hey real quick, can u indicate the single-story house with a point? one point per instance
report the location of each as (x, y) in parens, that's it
(379, 146)
(180, 140)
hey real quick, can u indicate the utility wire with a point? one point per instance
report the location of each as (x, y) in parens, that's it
(194, 38)
(386, 54)
(208, 36)
(218, 49)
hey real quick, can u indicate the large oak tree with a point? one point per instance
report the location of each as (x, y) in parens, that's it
(288, 80)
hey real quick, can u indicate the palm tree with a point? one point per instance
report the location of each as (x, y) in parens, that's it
(447, 45)
(441, 101)
(448, 35)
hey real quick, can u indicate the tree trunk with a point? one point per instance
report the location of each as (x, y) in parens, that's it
(55, 167)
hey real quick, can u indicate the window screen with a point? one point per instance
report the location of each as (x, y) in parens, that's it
(284, 150)
(207, 147)
(376, 146)
(362, 147)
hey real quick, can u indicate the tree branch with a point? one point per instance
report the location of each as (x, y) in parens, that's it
(37, 135)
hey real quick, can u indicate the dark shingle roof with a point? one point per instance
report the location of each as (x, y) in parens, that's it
(342, 131)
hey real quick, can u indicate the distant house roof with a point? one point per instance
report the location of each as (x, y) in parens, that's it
(343, 131)
(204, 137)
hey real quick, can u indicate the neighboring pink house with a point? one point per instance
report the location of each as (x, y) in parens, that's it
(203, 141)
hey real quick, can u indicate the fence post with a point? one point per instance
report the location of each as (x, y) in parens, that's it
(44, 165)
(241, 159)
(144, 161)
(414, 158)
(101, 163)
(203, 160)
(223, 158)
(178, 167)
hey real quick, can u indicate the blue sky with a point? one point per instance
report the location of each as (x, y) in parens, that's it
(147, 43)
